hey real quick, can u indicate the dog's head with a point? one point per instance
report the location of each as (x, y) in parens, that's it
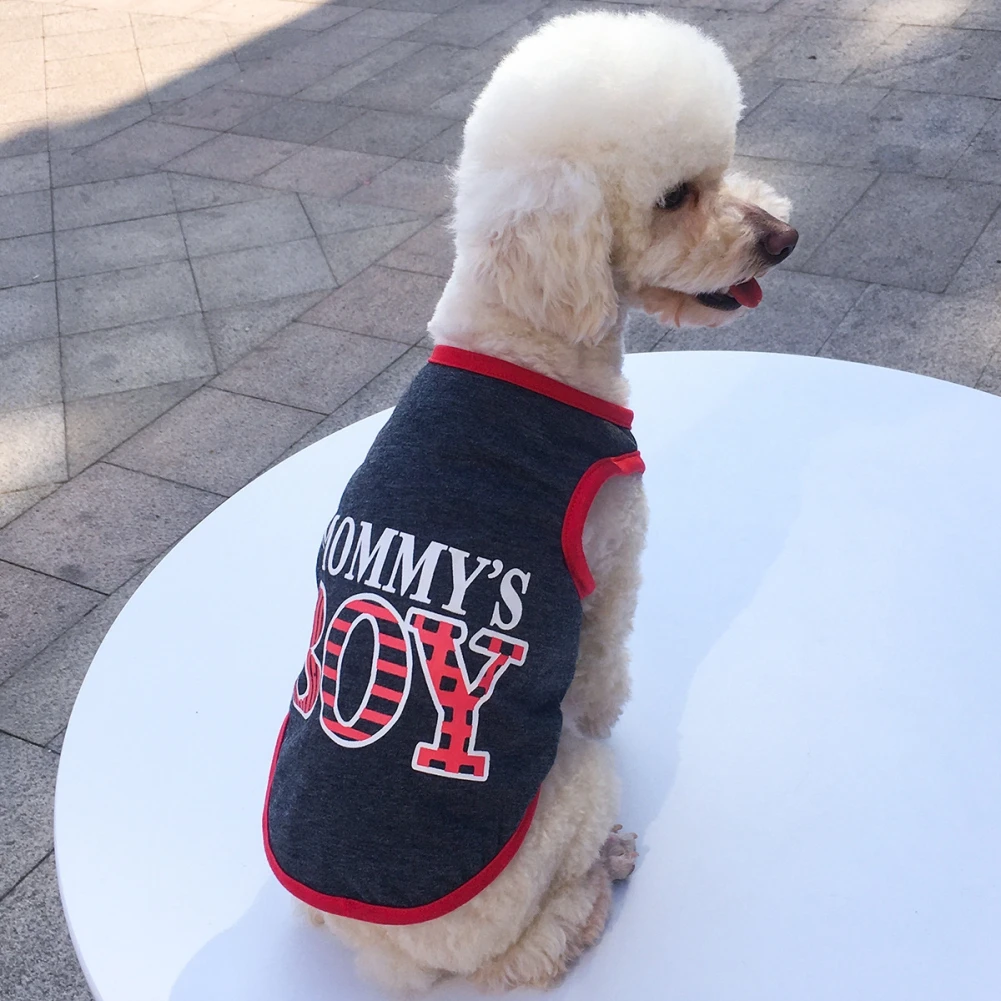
(594, 172)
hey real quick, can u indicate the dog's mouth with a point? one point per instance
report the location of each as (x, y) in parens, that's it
(746, 293)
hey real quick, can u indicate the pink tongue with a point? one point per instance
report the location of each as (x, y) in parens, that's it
(746, 293)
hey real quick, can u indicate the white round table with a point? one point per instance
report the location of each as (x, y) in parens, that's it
(810, 757)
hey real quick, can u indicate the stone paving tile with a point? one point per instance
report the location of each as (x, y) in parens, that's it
(236, 331)
(32, 447)
(340, 81)
(423, 187)
(459, 102)
(27, 312)
(130, 357)
(310, 367)
(234, 158)
(907, 230)
(806, 121)
(36, 701)
(330, 215)
(914, 133)
(444, 148)
(97, 424)
(381, 302)
(980, 273)
(825, 50)
(981, 160)
(747, 36)
(27, 111)
(387, 23)
(282, 78)
(847, 9)
(24, 173)
(798, 314)
(296, 121)
(473, 22)
(187, 68)
(821, 196)
(386, 132)
(643, 332)
(422, 6)
(75, 132)
(215, 440)
(85, 20)
(939, 60)
(25, 214)
(92, 100)
(348, 254)
(245, 224)
(192, 192)
(417, 80)
(25, 830)
(169, 87)
(431, 252)
(26, 259)
(217, 108)
(29, 374)
(111, 201)
(40, 964)
(15, 502)
(150, 144)
(947, 337)
(34, 610)
(260, 273)
(115, 245)
(931, 12)
(321, 171)
(251, 47)
(16, 29)
(22, 66)
(117, 520)
(120, 68)
(261, 15)
(980, 14)
(153, 30)
(382, 392)
(329, 50)
(95, 302)
(89, 43)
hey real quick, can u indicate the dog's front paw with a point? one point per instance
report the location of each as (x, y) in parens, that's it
(618, 854)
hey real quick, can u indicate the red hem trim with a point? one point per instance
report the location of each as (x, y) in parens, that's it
(377, 913)
(497, 368)
(581, 500)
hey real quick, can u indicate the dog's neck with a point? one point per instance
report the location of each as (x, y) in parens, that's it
(465, 320)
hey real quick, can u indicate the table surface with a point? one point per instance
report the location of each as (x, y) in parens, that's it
(810, 757)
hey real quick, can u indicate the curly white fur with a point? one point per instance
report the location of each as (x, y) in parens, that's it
(578, 133)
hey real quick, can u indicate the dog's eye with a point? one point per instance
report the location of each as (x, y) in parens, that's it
(673, 198)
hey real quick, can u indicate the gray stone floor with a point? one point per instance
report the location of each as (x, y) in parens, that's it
(221, 238)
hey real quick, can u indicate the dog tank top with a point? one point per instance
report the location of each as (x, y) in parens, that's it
(444, 639)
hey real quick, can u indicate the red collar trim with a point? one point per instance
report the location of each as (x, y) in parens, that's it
(497, 368)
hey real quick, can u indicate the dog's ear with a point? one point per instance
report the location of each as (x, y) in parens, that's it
(542, 239)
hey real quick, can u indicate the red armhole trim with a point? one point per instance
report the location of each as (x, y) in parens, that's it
(376, 913)
(580, 503)
(497, 368)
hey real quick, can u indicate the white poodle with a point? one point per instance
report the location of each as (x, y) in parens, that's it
(593, 179)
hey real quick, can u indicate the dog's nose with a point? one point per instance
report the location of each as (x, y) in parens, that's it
(778, 243)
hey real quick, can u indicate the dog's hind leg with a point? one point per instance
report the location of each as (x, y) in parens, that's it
(571, 920)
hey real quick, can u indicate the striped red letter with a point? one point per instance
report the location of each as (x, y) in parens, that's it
(458, 700)
(389, 682)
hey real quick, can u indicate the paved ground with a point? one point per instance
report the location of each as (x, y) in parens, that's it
(220, 239)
